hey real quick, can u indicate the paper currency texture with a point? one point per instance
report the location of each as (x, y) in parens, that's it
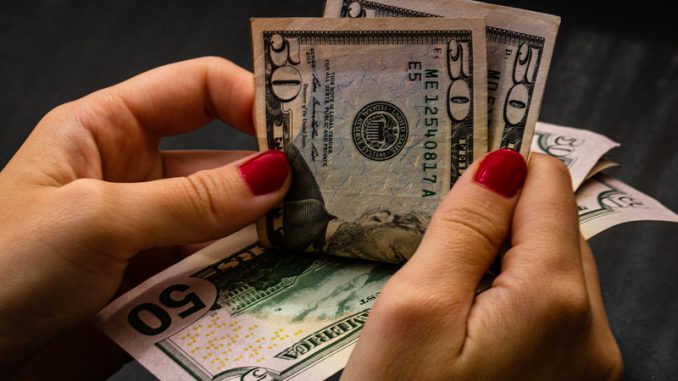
(378, 118)
(605, 202)
(519, 49)
(580, 150)
(239, 311)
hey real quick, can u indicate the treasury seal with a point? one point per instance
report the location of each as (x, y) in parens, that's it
(379, 131)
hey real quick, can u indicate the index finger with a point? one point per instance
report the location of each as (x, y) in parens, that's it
(181, 97)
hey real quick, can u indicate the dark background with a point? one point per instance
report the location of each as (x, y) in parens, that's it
(614, 71)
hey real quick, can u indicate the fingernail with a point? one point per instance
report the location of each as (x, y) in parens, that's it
(266, 172)
(502, 171)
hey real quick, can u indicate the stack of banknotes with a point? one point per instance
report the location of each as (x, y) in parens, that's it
(380, 107)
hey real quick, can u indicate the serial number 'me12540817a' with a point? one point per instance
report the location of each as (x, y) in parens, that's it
(357, 105)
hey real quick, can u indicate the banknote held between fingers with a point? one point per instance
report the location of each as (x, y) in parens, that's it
(93, 184)
(433, 293)
(503, 172)
(541, 299)
(265, 173)
(210, 203)
(473, 220)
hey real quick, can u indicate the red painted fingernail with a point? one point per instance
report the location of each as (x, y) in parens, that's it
(266, 172)
(502, 171)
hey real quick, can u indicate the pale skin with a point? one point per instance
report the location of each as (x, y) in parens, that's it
(91, 206)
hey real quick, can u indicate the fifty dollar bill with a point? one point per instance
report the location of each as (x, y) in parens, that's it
(604, 202)
(239, 311)
(377, 117)
(580, 150)
(519, 49)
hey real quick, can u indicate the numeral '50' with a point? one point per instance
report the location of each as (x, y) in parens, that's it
(285, 78)
(167, 299)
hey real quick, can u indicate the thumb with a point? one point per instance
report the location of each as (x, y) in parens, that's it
(206, 205)
(470, 225)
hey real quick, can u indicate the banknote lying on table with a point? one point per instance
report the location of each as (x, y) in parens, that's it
(581, 151)
(239, 311)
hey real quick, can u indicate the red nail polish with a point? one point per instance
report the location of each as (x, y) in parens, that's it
(265, 173)
(502, 171)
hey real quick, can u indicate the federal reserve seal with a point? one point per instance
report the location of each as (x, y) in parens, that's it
(380, 131)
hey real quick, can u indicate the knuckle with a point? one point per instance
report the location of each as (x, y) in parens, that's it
(397, 309)
(607, 363)
(59, 111)
(560, 261)
(89, 202)
(90, 113)
(569, 308)
(64, 117)
(201, 188)
(209, 196)
(89, 193)
(612, 363)
(406, 304)
(469, 221)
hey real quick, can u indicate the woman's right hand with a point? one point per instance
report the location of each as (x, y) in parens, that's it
(542, 319)
(91, 205)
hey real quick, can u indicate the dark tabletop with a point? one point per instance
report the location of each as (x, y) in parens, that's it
(614, 71)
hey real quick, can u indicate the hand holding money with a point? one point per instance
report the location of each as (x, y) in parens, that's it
(393, 115)
(275, 314)
(544, 311)
(378, 119)
(90, 189)
(61, 279)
